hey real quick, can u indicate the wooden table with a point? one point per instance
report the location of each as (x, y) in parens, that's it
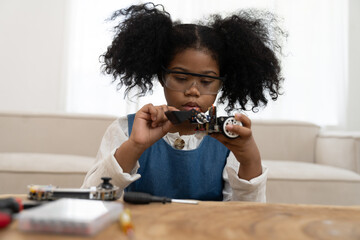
(226, 220)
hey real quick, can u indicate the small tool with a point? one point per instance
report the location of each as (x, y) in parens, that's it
(145, 198)
(11, 206)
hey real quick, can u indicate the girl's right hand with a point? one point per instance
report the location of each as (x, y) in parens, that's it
(150, 124)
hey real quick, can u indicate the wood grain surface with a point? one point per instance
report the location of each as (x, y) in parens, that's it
(226, 220)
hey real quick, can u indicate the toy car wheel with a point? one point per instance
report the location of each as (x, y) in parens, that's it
(232, 121)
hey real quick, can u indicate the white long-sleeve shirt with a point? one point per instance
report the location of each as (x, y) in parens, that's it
(106, 166)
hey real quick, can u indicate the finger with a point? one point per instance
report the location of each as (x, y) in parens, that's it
(171, 108)
(144, 112)
(148, 109)
(160, 116)
(156, 117)
(246, 122)
(239, 130)
(152, 111)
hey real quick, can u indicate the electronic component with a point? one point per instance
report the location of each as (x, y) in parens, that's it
(105, 191)
(206, 122)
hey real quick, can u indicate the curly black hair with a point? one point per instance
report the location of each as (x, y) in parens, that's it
(243, 44)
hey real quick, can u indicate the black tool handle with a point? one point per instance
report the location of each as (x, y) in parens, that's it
(10, 204)
(143, 198)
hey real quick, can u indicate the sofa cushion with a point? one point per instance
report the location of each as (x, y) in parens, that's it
(66, 133)
(309, 183)
(23, 169)
(286, 140)
(340, 149)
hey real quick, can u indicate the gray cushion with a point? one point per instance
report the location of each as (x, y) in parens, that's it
(309, 183)
(22, 169)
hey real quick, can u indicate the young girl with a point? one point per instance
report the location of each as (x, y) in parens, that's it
(232, 57)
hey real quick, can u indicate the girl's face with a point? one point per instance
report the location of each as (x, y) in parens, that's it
(189, 97)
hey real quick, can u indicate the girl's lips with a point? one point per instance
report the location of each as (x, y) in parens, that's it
(187, 108)
(190, 106)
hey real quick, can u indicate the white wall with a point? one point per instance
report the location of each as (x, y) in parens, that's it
(353, 106)
(32, 54)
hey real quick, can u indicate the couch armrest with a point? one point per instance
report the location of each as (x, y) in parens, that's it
(339, 149)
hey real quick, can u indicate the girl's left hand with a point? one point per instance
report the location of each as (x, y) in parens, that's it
(243, 147)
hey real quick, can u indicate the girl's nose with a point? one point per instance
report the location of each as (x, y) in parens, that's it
(193, 90)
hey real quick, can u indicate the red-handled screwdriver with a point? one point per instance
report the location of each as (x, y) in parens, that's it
(5, 218)
(10, 206)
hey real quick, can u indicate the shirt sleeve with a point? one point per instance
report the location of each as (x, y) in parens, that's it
(237, 189)
(106, 164)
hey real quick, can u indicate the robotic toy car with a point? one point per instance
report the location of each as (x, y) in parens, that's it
(207, 122)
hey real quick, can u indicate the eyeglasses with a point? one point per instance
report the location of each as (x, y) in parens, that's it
(182, 81)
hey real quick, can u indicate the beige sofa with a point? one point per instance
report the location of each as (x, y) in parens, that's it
(306, 165)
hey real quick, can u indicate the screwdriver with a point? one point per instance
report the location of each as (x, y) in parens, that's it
(145, 198)
(10, 206)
